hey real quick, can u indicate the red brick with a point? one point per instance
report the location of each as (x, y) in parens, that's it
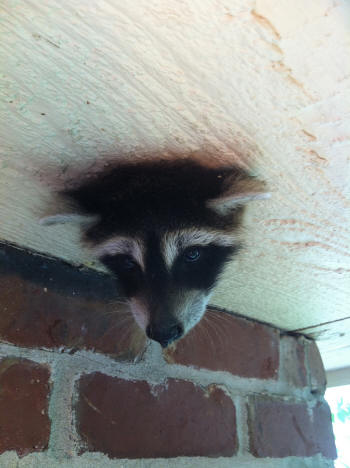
(36, 316)
(292, 365)
(223, 342)
(135, 420)
(281, 429)
(324, 437)
(24, 393)
(317, 374)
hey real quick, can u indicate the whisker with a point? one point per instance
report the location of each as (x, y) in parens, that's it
(200, 330)
(122, 324)
(117, 301)
(217, 328)
(221, 322)
(209, 332)
(117, 312)
(219, 315)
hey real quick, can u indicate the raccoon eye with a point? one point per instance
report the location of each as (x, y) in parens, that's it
(119, 262)
(192, 254)
(128, 263)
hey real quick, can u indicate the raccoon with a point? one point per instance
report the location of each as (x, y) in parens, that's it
(165, 229)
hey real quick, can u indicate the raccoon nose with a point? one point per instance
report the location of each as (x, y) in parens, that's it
(165, 335)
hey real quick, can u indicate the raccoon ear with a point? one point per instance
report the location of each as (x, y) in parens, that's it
(64, 218)
(239, 193)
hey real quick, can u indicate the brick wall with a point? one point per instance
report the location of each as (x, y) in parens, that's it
(80, 386)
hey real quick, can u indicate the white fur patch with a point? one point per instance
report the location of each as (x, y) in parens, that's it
(191, 306)
(176, 241)
(122, 245)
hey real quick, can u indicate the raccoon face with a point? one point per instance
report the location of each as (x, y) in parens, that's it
(165, 229)
(167, 279)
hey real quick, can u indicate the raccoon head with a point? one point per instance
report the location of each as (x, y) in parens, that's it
(165, 229)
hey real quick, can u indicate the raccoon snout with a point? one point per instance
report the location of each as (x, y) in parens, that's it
(165, 335)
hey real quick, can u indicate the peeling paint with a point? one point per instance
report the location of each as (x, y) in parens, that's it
(266, 23)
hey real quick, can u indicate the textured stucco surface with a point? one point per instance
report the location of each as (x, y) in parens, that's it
(96, 461)
(264, 83)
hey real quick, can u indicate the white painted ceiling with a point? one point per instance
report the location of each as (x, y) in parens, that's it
(265, 83)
